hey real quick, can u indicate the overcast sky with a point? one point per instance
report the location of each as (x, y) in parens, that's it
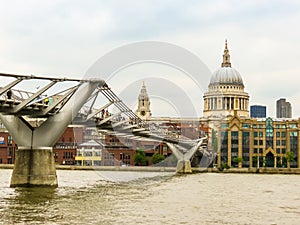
(65, 38)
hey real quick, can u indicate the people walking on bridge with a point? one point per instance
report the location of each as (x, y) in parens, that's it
(46, 101)
(102, 113)
(9, 94)
(106, 114)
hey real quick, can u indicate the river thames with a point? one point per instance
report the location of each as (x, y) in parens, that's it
(93, 197)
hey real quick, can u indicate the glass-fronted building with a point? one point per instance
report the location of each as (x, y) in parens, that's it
(248, 142)
(258, 111)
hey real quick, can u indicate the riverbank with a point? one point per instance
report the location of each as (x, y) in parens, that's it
(106, 168)
(261, 170)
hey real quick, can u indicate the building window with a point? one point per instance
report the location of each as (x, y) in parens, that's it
(283, 142)
(234, 141)
(246, 125)
(224, 125)
(260, 142)
(224, 140)
(269, 133)
(9, 152)
(278, 150)
(255, 142)
(97, 153)
(294, 147)
(293, 133)
(234, 154)
(9, 140)
(97, 163)
(255, 134)
(277, 142)
(283, 134)
(68, 155)
(246, 142)
(88, 153)
(224, 147)
(234, 135)
(277, 134)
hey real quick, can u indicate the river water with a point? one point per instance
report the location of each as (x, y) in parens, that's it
(93, 197)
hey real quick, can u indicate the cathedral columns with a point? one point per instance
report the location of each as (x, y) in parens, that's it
(242, 103)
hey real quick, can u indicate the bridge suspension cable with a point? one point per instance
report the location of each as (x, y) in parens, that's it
(35, 105)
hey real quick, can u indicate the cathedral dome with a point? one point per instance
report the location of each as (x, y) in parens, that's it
(226, 95)
(226, 75)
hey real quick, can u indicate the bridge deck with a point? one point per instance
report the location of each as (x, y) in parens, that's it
(125, 122)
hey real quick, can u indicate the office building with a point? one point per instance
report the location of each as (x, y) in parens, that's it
(283, 109)
(249, 142)
(258, 111)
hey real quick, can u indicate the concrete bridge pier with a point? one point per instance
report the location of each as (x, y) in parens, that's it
(184, 159)
(34, 163)
(34, 167)
(184, 166)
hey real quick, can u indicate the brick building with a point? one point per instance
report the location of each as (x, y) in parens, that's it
(65, 148)
(7, 148)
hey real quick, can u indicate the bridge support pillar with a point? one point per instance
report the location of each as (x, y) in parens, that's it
(184, 167)
(184, 158)
(34, 167)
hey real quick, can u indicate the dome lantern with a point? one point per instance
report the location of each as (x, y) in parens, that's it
(226, 57)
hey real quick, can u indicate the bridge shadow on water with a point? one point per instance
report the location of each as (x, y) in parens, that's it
(34, 195)
(29, 206)
(90, 201)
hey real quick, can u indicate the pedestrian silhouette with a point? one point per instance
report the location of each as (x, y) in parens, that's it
(46, 101)
(9, 94)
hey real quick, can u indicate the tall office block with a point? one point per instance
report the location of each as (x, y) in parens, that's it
(258, 111)
(283, 109)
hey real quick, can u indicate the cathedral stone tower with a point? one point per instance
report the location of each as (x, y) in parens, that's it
(226, 94)
(143, 110)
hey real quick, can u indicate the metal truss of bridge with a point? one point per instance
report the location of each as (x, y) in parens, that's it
(37, 119)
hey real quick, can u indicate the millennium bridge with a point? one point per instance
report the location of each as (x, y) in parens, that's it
(76, 102)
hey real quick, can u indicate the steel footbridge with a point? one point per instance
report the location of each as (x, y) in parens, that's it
(77, 101)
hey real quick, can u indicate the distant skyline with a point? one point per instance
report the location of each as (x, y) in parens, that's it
(64, 38)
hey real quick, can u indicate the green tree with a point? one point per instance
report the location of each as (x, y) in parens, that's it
(225, 166)
(238, 160)
(140, 158)
(157, 158)
(290, 157)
